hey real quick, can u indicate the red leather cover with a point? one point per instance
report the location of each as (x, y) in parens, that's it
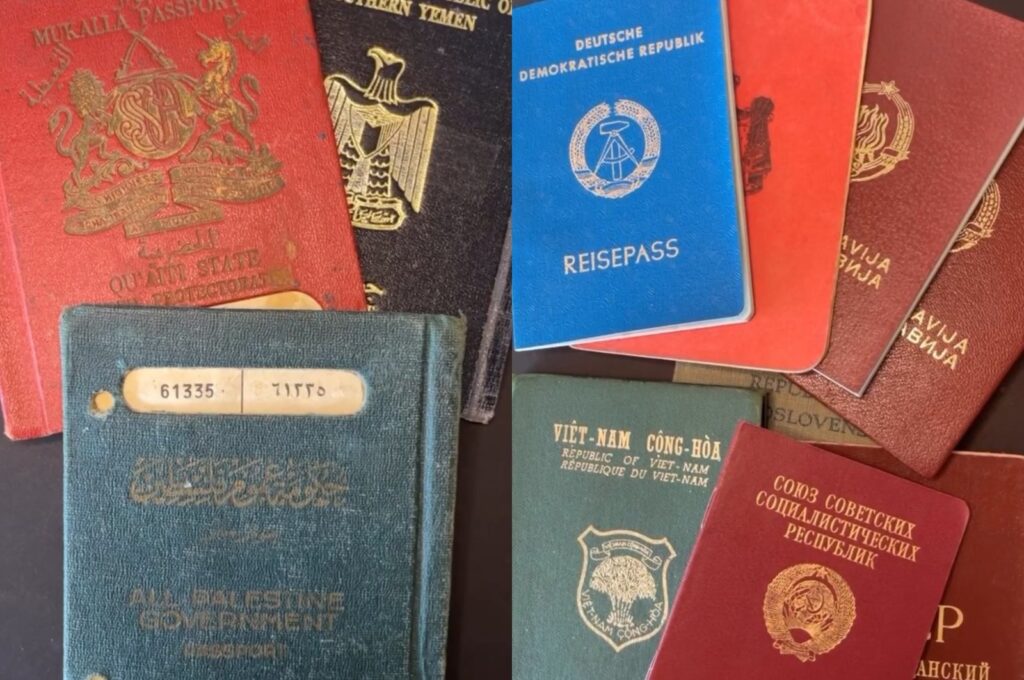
(158, 153)
(943, 102)
(954, 350)
(809, 566)
(795, 140)
(977, 629)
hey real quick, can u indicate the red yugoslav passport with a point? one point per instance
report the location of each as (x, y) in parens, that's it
(850, 566)
(965, 335)
(978, 626)
(942, 103)
(158, 153)
(795, 140)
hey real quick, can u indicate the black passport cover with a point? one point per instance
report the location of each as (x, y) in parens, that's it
(420, 99)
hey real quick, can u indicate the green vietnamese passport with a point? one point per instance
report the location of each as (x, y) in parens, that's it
(610, 481)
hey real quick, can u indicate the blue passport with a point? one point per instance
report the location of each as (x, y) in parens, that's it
(627, 207)
(257, 494)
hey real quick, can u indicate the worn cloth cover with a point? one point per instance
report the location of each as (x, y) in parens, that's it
(977, 630)
(627, 210)
(419, 98)
(186, 556)
(810, 566)
(942, 104)
(788, 409)
(959, 343)
(173, 153)
(798, 68)
(610, 480)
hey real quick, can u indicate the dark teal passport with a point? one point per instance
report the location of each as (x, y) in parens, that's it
(258, 495)
(610, 481)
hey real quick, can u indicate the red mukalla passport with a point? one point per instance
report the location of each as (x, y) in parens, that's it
(942, 103)
(958, 344)
(810, 566)
(171, 153)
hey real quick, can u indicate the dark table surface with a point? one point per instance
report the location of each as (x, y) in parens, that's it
(481, 626)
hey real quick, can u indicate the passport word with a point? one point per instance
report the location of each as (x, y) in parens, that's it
(864, 265)
(145, 14)
(844, 528)
(620, 256)
(934, 338)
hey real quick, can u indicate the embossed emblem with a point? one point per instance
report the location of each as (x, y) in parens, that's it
(384, 143)
(808, 610)
(623, 591)
(374, 296)
(136, 161)
(755, 143)
(982, 223)
(615, 148)
(885, 128)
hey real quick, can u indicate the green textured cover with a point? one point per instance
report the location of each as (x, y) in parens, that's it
(131, 567)
(603, 522)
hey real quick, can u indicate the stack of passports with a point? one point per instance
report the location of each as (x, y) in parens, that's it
(610, 480)
(288, 539)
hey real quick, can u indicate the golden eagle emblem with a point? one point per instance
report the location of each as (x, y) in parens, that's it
(384, 143)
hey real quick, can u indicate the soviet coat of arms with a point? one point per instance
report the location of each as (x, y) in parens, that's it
(623, 590)
(162, 149)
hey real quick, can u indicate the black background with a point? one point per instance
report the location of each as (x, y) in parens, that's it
(479, 639)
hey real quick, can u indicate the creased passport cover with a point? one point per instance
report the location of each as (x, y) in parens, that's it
(420, 101)
(627, 211)
(943, 102)
(796, 139)
(978, 627)
(964, 336)
(788, 409)
(610, 480)
(810, 566)
(172, 153)
(260, 547)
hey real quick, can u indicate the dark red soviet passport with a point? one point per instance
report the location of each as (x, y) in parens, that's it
(953, 351)
(809, 566)
(978, 627)
(159, 153)
(942, 103)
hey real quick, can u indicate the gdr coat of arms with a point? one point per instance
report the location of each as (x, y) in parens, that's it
(623, 590)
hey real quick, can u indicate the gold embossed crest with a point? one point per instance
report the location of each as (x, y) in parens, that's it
(982, 224)
(885, 128)
(808, 610)
(161, 149)
(623, 153)
(623, 590)
(384, 143)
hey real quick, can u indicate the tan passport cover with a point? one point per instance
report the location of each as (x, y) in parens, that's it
(954, 350)
(942, 103)
(790, 410)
